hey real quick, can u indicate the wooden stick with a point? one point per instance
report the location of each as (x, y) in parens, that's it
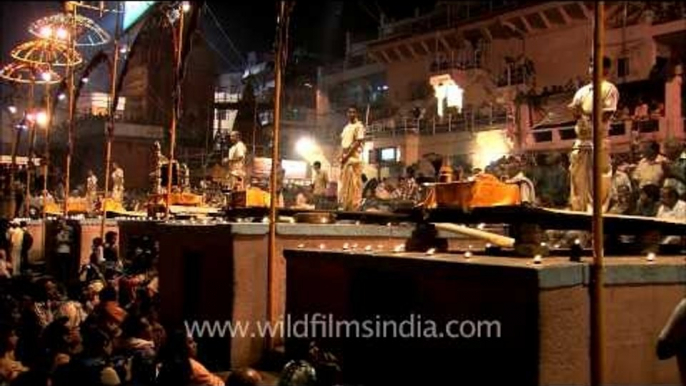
(493, 238)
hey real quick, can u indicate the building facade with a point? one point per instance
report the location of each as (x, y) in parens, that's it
(517, 67)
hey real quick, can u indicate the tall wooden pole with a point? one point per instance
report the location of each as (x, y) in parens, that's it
(13, 168)
(273, 197)
(109, 136)
(46, 173)
(31, 125)
(72, 104)
(175, 110)
(599, 155)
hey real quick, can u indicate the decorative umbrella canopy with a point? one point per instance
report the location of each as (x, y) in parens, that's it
(58, 27)
(39, 52)
(99, 6)
(22, 72)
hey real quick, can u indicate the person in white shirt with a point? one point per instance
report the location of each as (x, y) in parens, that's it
(671, 208)
(16, 238)
(350, 189)
(620, 179)
(320, 181)
(581, 157)
(650, 170)
(675, 167)
(236, 162)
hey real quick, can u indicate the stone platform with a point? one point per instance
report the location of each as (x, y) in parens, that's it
(543, 311)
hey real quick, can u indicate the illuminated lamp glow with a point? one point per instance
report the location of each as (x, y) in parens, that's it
(46, 32)
(304, 146)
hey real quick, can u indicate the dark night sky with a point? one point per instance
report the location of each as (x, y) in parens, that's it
(317, 26)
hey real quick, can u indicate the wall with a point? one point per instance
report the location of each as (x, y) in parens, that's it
(639, 299)
(482, 147)
(401, 76)
(131, 149)
(214, 273)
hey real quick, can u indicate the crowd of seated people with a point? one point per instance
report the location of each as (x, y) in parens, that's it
(98, 327)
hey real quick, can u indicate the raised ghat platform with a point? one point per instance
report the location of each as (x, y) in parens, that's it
(543, 311)
(219, 271)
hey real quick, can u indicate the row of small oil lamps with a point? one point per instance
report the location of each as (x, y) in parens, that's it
(537, 259)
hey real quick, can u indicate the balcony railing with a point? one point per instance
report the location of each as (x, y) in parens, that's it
(431, 126)
(620, 131)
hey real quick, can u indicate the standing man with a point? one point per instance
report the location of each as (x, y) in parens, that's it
(16, 237)
(64, 261)
(158, 160)
(117, 183)
(236, 162)
(352, 138)
(581, 157)
(26, 244)
(91, 189)
(320, 180)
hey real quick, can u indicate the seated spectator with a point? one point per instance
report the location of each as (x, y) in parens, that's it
(369, 201)
(649, 170)
(138, 345)
(675, 168)
(671, 208)
(659, 111)
(624, 113)
(648, 201)
(622, 203)
(178, 366)
(5, 271)
(59, 344)
(10, 368)
(244, 377)
(641, 111)
(93, 366)
(301, 202)
(620, 179)
(515, 175)
(381, 192)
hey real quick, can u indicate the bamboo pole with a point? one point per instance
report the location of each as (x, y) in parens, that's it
(31, 125)
(72, 105)
(175, 111)
(273, 198)
(110, 124)
(599, 152)
(494, 238)
(46, 173)
(13, 166)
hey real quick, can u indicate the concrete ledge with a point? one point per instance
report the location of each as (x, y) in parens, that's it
(559, 276)
(671, 271)
(343, 230)
(554, 272)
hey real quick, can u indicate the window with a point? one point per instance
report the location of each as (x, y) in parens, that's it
(389, 154)
(221, 115)
(622, 67)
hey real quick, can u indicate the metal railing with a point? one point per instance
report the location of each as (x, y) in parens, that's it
(434, 125)
(619, 130)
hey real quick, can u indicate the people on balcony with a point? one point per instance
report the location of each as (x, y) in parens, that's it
(641, 110)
